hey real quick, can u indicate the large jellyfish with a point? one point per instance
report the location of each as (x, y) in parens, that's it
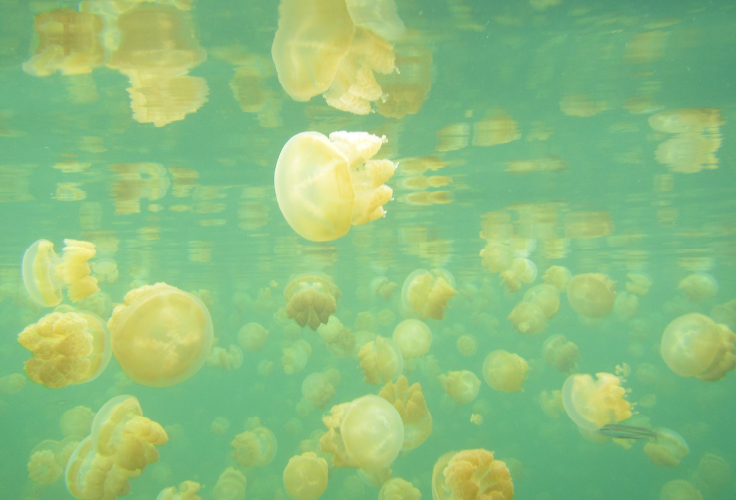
(591, 404)
(471, 475)
(305, 476)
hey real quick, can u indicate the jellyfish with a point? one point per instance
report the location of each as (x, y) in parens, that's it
(398, 489)
(412, 408)
(466, 345)
(699, 287)
(42, 466)
(161, 336)
(551, 403)
(311, 299)
(340, 340)
(505, 371)
(45, 273)
(591, 295)
(425, 294)
(558, 276)
(667, 449)
(76, 422)
(725, 313)
(497, 257)
(560, 353)
(12, 383)
(547, 297)
(295, 356)
(254, 448)
(252, 337)
(366, 433)
(712, 475)
(382, 287)
(381, 361)
(522, 270)
(380, 17)
(68, 348)
(225, 359)
(413, 337)
(626, 306)
(528, 318)
(105, 270)
(679, 489)
(693, 345)
(462, 386)
(319, 388)
(220, 425)
(305, 476)
(638, 284)
(187, 491)
(471, 475)
(230, 485)
(326, 185)
(591, 404)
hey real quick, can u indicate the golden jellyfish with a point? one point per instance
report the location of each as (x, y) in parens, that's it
(725, 313)
(679, 489)
(398, 489)
(694, 345)
(412, 408)
(667, 449)
(497, 257)
(68, 348)
(558, 276)
(413, 337)
(406, 89)
(121, 444)
(626, 306)
(462, 386)
(161, 335)
(380, 17)
(106, 270)
(318, 388)
(381, 361)
(591, 404)
(591, 295)
(225, 359)
(547, 297)
(220, 425)
(471, 475)
(638, 284)
(340, 340)
(466, 344)
(45, 273)
(12, 383)
(311, 299)
(528, 318)
(187, 491)
(505, 371)
(295, 356)
(326, 185)
(76, 422)
(560, 353)
(42, 466)
(551, 403)
(252, 337)
(305, 476)
(254, 448)
(366, 433)
(230, 485)
(698, 287)
(713, 475)
(425, 294)
(382, 287)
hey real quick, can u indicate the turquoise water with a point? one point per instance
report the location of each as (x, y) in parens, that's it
(577, 83)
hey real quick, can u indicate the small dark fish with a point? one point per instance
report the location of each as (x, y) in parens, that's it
(620, 431)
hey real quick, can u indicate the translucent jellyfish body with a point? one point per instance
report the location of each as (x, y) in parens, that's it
(252, 337)
(591, 404)
(557, 276)
(497, 257)
(225, 359)
(505, 371)
(462, 386)
(43, 466)
(413, 337)
(254, 448)
(667, 449)
(161, 335)
(398, 489)
(326, 185)
(187, 491)
(698, 287)
(522, 270)
(560, 353)
(305, 476)
(366, 433)
(45, 273)
(230, 485)
(546, 297)
(410, 403)
(381, 361)
(425, 294)
(470, 475)
(122, 442)
(310, 299)
(528, 318)
(693, 345)
(295, 356)
(679, 489)
(318, 388)
(76, 422)
(68, 348)
(591, 295)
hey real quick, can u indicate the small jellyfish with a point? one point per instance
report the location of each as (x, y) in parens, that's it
(547, 297)
(528, 318)
(667, 449)
(466, 344)
(591, 295)
(252, 337)
(412, 408)
(505, 371)
(161, 336)
(381, 361)
(398, 489)
(699, 287)
(522, 270)
(425, 294)
(225, 359)
(638, 284)
(45, 273)
(42, 466)
(311, 299)
(254, 448)
(626, 306)
(319, 388)
(220, 425)
(471, 475)
(560, 353)
(558, 276)
(340, 340)
(413, 337)
(305, 476)
(187, 491)
(713, 475)
(68, 348)
(591, 404)
(230, 485)
(693, 345)
(462, 386)
(497, 257)
(295, 356)
(551, 403)
(679, 489)
(12, 383)
(382, 287)
(105, 270)
(76, 422)
(326, 185)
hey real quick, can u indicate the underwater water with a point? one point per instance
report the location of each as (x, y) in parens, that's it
(590, 135)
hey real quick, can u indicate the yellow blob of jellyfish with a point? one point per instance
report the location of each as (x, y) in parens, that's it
(462, 386)
(121, 444)
(425, 294)
(528, 318)
(366, 433)
(225, 359)
(161, 336)
(45, 273)
(187, 491)
(560, 353)
(318, 388)
(591, 404)
(679, 489)
(591, 295)
(694, 345)
(381, 361)
(295, 356)
(471, 475)
(698, 287)
(558, 276)
(546, 297)
(252, 337)
(668, 448)
(497, 257)
(43, 467)
(505, 371)
(326, 185)
(68, 348)
(76, 422)
(230, 485)
(412, 408)
(254, 448)
(311, 299)
(12, 383)
(413, 337)
(398, 489)
(305, 476)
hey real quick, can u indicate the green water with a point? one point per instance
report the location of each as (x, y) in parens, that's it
(224, 233)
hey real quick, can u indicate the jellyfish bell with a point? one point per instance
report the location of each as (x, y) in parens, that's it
(591, 295)
(471, 474)
(311, 299)
(372, 432)
(462, 386)
(505, 371)
(425, 294)
(668, 448)
(381, 361)
(305, 476)
(593, 403)
(413, 337)
(378, 16)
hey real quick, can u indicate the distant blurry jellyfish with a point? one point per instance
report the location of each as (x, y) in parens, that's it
(713, 475)
(528, 318)
(230, 485)
(560, 353)
(295, 357)
(254, 448)
(679, 489)
(311, 299)
(220, 426)
(471, 474)
(668, 448)
(698, 287)
(381, 361)
(462, 386)
(252, 337)
(426, 294)
(591, 295)
(398, 489)
(505, 371)
(413, 337)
